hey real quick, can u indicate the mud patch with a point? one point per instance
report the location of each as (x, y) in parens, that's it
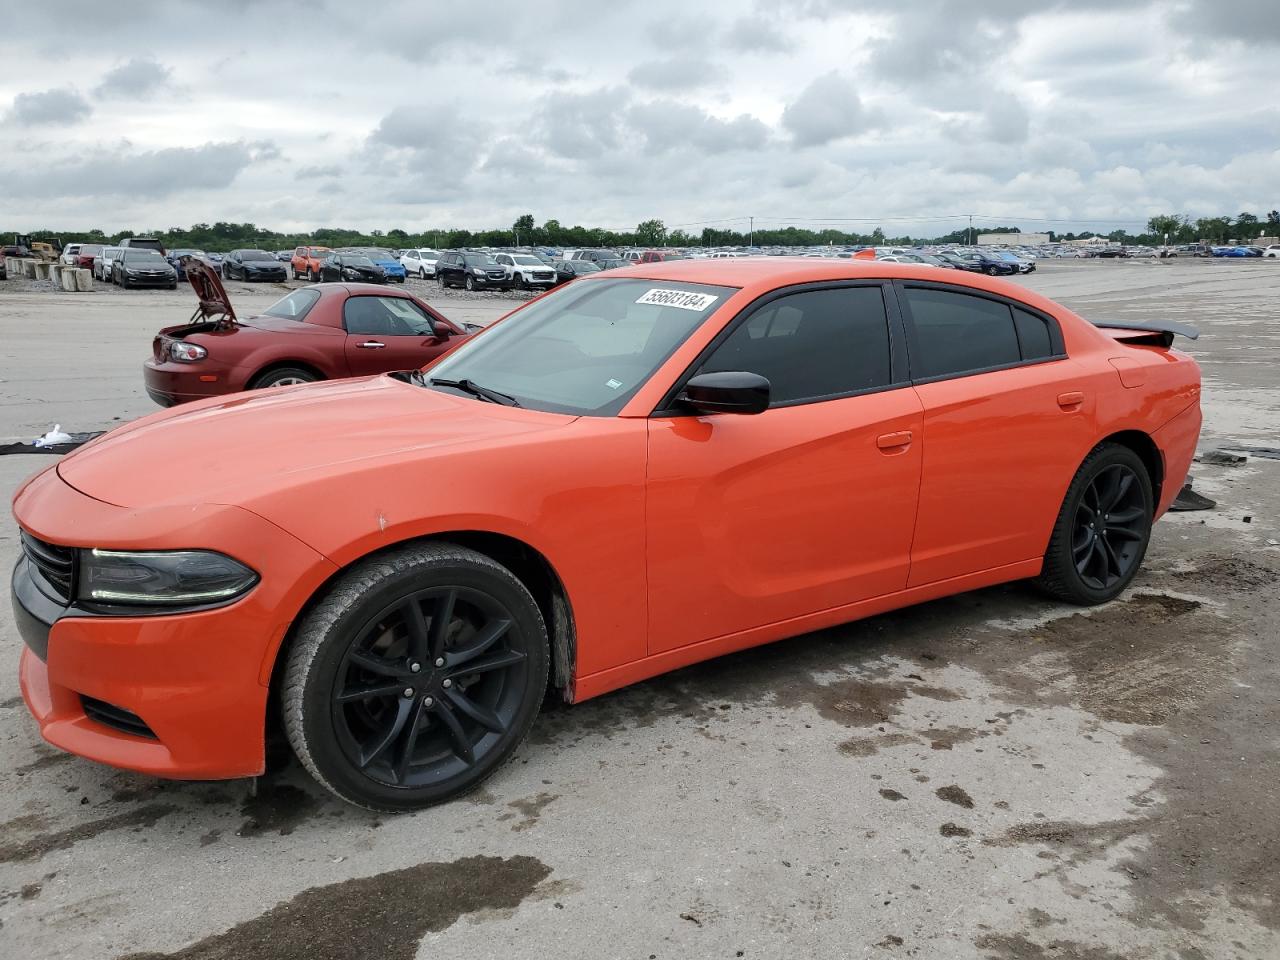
(855, 702)
(10, 703)
(384, 916)
(37, 847)
(870, 746)
(1229, 573)
(1018, 947)
(954, 830)
(43, 762)
(1142, 661)
(892, 795)
(1083, 840)
(947, 737)
(531, 809)
(278, 808)
(955, 794)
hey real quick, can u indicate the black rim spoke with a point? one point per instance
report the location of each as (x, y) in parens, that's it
(497, 661)
(441, 618)
(404, 755)
(375, 664)
(416, 624)
(403, 708)
(480, 714)
(429, 685)
(370, 692)
(457, 736)
(1124, 533)
(491, 634)
(1121, 517)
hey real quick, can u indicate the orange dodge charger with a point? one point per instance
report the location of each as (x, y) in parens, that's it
(643, 469)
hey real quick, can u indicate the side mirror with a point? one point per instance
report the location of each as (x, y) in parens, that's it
(731, 391)
(440, 331)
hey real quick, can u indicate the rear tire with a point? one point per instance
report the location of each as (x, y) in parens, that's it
(382, 699)
(1103, 529)
(283, 377)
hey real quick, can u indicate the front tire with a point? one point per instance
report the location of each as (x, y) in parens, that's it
(417, 675)
(422, 273)
(1103, 529)
(469, 284)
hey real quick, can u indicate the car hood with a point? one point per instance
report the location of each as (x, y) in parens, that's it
(230, 449)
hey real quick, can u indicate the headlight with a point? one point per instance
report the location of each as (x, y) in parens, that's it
(479, 272)
(174, 578)
(187, 352)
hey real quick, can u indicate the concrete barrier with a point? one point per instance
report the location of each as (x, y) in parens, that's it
(29, 269)
(69, 281)
(55, 272)
(42, 269)
(83, 279)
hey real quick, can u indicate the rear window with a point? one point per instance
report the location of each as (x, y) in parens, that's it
(957, 333)
(293, 306)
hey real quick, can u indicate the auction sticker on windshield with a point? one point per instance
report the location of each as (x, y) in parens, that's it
(679, 298)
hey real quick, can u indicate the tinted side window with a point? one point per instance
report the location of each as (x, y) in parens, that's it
(385, 317)
(1033, 335)
(818, 343)
(957, 333)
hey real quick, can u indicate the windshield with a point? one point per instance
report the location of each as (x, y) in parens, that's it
(480, 260)
(377, 254)
(586, 348)
(256, 255)
(293, 306)
(528, 261)
(352, 261)
(136, 253)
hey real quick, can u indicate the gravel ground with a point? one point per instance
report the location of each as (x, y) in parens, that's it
(990, 775)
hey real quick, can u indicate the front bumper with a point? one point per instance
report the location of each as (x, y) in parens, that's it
(197, 681)
(158, 280)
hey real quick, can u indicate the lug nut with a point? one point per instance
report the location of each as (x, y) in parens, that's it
(440, 661)
(415, 667)
(408, 691)
(428, 702)
(447, 684)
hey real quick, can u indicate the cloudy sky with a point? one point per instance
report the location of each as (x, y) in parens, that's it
(435, 114)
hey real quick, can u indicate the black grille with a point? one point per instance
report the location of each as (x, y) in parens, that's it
(54, 567)
(117, 718)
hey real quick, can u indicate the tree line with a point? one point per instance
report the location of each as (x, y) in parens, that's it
(525, 231)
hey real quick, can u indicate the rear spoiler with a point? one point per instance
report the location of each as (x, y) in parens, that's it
(1157, 334)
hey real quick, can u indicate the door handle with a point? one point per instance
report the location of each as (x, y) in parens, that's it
(894, 441)
(1071, 400)
(371, 345)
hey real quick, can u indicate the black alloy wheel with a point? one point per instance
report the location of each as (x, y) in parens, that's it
(416, 677)
(1103, 528)
(1110, 527)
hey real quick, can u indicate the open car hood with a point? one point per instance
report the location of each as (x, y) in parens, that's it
(212, 302)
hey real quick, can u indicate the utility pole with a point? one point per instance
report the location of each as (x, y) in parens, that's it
(972, 238)
(751, 234)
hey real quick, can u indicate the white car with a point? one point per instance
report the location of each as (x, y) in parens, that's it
(71, 254)
(420, 263)
(102, 263)
(1272, 251)
(526, 271)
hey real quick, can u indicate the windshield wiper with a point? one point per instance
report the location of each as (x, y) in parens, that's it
(484, 393)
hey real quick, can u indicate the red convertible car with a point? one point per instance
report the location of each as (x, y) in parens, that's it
(642, 469)
(325, 332)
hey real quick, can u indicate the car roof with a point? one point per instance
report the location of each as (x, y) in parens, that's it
(774, 271)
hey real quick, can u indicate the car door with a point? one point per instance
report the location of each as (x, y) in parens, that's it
(1007, 419)
(753, 520)
(389, 333)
